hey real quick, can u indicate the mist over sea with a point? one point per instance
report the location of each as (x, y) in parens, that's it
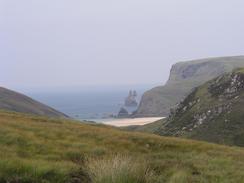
(87, 105)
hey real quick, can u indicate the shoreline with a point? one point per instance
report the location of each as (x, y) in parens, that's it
(131, 121)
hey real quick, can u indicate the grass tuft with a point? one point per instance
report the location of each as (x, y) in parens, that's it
(118, 169)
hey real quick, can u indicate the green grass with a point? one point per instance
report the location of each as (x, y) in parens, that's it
(225, 127)
(36, 149)
(240, 70)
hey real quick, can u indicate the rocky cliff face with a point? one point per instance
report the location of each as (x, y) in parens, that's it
(13, 101)
(213, 112)
(184, 76)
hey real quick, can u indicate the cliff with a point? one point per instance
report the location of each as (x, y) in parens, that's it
(184, 76)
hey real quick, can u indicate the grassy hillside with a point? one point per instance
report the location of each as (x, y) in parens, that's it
(213, 112)
(37, 149)
(184, 76)
(13, 101)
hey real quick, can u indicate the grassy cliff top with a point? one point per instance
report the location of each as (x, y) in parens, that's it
(37, 149)
(184, 76)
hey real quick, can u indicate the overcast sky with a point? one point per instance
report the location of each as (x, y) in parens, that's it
(75, 43)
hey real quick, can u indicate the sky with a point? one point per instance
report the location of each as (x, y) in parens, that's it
(80, 43)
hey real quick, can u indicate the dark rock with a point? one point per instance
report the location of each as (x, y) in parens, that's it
(123, 113)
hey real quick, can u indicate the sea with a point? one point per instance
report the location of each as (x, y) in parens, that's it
(96, 105)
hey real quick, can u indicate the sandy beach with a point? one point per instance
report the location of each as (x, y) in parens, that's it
(131, 121)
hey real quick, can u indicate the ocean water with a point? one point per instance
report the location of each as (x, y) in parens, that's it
(95, 106)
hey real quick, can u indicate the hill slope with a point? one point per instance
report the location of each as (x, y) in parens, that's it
(38, 149)
(213, 112)
(184, 76)
(13, 101)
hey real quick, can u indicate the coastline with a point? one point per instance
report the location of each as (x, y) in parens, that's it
(131, 121)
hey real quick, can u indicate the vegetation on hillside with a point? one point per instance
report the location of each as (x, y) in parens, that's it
(17, 102)
(212, 112)
(37, 149)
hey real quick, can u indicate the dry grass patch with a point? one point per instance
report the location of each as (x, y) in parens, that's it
(34, 149)
(118, 169)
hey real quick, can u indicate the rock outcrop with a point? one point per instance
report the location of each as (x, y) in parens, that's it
(130, 100)
(184, 76)
(123, 113)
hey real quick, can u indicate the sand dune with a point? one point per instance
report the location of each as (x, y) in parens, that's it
(131, 121)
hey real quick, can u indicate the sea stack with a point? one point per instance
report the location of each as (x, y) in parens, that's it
(130, 100)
